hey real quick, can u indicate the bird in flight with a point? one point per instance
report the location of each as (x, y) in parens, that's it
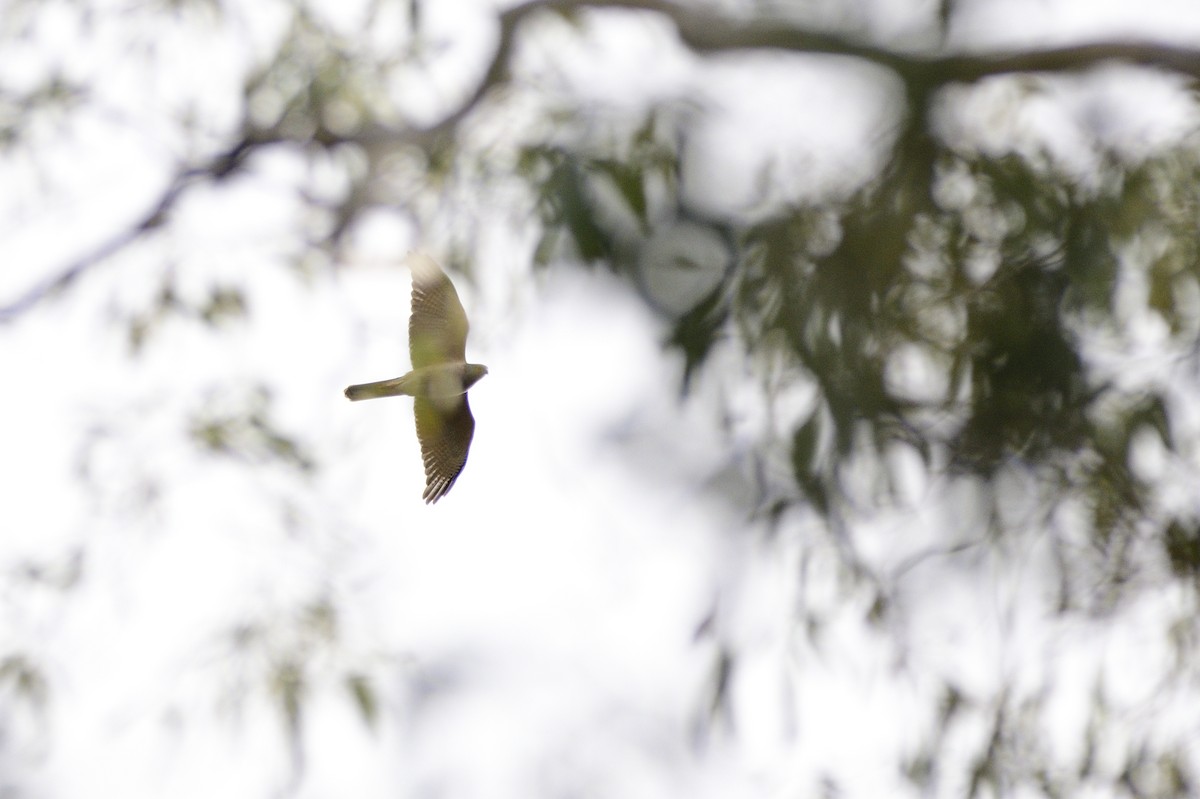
(440, 377)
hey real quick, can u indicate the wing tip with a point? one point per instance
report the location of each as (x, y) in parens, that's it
(437, 488)
(435, 491)
(424, 269)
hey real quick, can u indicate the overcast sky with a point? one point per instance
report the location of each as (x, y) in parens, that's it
(533, 633)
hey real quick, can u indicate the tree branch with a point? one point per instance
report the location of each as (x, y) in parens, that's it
(217, 168)
(702, 31)
(705, 31)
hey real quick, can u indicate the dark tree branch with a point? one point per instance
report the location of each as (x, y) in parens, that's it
(702, 31)
(217, 168)
(705, 31)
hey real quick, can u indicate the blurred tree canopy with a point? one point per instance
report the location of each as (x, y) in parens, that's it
(971, 310)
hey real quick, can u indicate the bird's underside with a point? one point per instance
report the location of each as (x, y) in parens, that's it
(439, 380)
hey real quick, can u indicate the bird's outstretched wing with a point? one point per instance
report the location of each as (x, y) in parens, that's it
(437, 329)
(445, 429)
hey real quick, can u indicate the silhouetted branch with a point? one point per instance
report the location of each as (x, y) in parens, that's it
(701, 30)
(707, 31)
(219, 167)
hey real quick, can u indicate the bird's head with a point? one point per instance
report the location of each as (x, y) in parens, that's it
(472, 373)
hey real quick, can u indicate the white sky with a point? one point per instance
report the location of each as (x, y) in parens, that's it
(532, 633)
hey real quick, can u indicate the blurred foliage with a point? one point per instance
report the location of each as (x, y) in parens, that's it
(24, 678)
(573, 205)
(223, 304)
(963, 306)
(246, 430)
(1000, 296)
(1002, 279)
(44, 106)
(291, 656)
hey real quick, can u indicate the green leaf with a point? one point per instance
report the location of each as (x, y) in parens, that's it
(629, 182)
(1182, 544)
(804, 448)
(363, 694)
(696, 332)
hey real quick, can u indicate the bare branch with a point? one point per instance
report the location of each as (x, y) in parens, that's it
(702, 31)
(217, 168)
(706, 31)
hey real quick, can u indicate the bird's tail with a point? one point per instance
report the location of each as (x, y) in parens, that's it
(383, 388)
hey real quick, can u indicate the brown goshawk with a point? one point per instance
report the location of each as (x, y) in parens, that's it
(440, 377)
